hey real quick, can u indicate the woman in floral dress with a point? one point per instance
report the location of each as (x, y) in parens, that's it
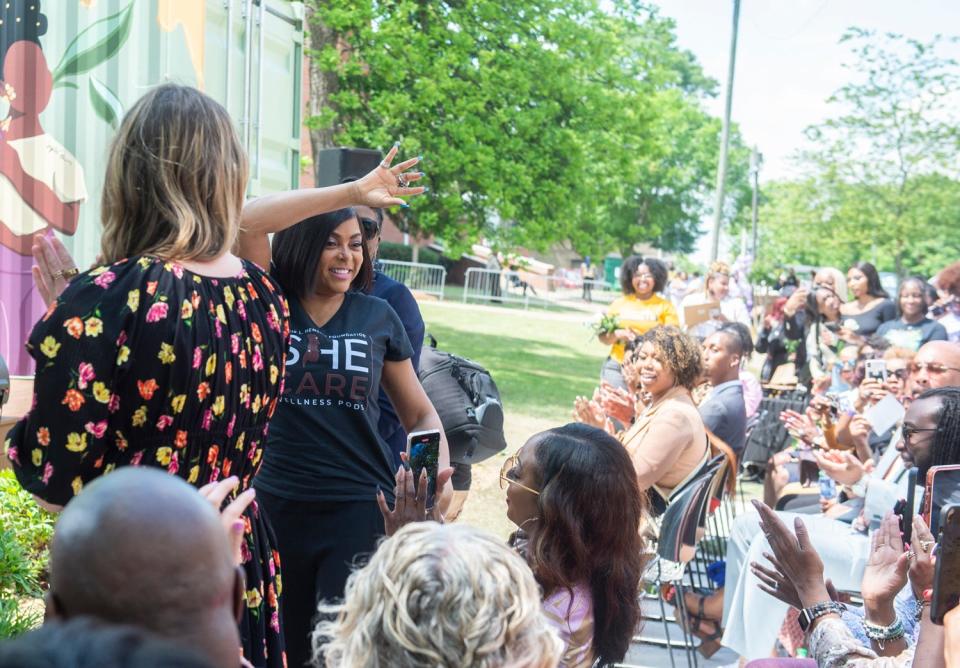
(171, 353)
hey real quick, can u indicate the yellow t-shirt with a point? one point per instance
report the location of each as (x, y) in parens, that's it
(640, 315)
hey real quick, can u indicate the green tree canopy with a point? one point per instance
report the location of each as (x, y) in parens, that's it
(881, 174)
(539, 121)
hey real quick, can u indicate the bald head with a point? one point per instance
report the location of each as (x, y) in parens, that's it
(142, 547)
(937, 364)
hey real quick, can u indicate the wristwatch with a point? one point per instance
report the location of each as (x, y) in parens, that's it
(807, 615)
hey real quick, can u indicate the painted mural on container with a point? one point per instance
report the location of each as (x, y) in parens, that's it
(42, 184)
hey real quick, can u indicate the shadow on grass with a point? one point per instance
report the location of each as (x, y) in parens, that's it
(535, 377)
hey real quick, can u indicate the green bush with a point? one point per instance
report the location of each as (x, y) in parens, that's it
(25, 533)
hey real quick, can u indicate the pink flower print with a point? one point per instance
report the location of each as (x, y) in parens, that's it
(177, 270)
(253, 450)
(235, 344)
(135, 460)
(174, 464)
(241, 311)
(218, 328)
(207, 419)
(273, 568)
(275, 621)
(105, 279)
(114, 404)
(257, 359)
(98, 429)
(86, 374)
(233, 420)
(272, 319)
(197, 357)
(122, 338)
(214, 474)
(47, 473)
(245, 554)
(157, 312)
(12, 455)
(164, 422)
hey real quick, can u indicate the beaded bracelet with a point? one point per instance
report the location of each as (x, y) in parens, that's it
(883, 634)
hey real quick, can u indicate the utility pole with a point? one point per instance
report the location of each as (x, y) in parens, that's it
(725, 138)
(756, 160)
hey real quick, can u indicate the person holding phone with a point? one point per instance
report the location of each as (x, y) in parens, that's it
(717, 290)
(913, 328)
(326, 466)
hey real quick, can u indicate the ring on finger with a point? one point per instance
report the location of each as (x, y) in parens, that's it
(402, 180)
(925, 545)
(911, 555)
(384, 165)
(66, 274)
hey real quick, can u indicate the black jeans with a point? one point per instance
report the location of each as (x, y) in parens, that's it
(319, 543)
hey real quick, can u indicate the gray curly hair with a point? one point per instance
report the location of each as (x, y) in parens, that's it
(438, 596)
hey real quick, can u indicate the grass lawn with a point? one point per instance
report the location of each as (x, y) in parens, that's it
(540, 361)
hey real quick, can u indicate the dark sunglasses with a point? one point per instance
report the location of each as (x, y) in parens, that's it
(371, 228)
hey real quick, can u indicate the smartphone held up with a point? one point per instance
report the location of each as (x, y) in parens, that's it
(423, 453)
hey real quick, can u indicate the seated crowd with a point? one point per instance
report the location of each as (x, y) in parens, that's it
(216, 541)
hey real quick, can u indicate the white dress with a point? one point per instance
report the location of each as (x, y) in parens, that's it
(732, 308)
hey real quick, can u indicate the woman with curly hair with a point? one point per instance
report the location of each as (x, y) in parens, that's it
(667, 442)
(439, 595)
(640, 308)
(573, 492)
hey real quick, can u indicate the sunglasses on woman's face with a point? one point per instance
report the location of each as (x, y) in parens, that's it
(371, 228)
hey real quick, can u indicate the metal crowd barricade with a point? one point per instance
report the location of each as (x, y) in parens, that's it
(521, 287)
(427, 278)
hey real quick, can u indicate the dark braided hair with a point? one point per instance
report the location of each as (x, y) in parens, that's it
(945, 448)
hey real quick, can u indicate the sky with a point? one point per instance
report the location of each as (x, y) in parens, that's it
(789, 60)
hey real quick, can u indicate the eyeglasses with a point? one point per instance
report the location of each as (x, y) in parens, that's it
(899, 374)
(931, 367)
(510, 472)
(910, 431)
(643, 277)
(371, 228)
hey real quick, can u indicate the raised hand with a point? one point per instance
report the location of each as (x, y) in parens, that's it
(922, 566)
(54, 269)
(411, 500)
(385, 185)
(886, 572)
(843, 467)
(231, 517)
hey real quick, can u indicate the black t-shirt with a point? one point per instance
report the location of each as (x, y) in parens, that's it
(323, 443)
(912, 336)
(868, 322)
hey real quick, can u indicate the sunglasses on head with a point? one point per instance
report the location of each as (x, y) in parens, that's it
(371, 228)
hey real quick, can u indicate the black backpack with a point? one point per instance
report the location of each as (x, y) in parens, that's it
(467, 401)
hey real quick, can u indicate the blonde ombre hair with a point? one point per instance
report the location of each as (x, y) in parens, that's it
(175, 181)
(435, 595)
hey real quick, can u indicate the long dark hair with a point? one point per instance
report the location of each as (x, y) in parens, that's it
(297, 249)
(874, 287)
(590, 509)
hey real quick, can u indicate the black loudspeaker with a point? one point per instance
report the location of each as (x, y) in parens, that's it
(336, 164)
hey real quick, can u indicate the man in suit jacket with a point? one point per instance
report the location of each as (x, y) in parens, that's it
(723, 410)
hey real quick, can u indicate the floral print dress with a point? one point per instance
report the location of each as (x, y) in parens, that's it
(144, 363)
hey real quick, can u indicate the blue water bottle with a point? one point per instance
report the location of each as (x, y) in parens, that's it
(828, 488)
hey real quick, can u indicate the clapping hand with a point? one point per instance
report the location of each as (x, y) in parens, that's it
(800, 425)
(794, 556)
(411, 500)
(922, 566)
(886, 572)
(843, 467)
(617, 403)
(589, 412)
(386, 184)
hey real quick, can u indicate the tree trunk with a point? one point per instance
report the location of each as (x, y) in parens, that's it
(415, 252)
(322, 86)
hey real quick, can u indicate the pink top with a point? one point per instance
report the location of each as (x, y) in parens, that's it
(571, 614)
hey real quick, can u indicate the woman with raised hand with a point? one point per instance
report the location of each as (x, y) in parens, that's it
(171, 351)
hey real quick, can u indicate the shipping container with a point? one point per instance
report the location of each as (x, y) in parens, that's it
(68, 71)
